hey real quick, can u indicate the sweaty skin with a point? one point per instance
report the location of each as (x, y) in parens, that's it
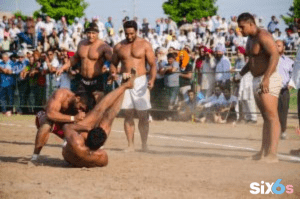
(75, 151)
(263, 59)
(91, 54)
(58, 111)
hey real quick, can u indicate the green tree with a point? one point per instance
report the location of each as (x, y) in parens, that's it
(294, 13)
(20, 14)
(191, 9)
(58, 8)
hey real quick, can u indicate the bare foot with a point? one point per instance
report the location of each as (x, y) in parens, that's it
(271, 158)
(129, 149)
(145, 148)
(257, 156)
(129, 82)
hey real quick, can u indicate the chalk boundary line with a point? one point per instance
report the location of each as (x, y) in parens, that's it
(280, 156)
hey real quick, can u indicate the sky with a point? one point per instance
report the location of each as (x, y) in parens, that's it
(152, 9)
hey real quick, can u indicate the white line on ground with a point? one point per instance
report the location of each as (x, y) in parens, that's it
(284, 157)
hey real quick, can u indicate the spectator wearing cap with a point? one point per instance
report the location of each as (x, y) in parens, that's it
(208, 73)
(222, 67)
(22, 82)
(6, 85)
(273, 24)
(240, 60)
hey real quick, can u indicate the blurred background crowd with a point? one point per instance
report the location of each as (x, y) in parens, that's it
(196, 63)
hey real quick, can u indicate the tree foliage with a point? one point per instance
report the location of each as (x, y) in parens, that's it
(191, 9)
(294, 13)
(58, 8)
(20, 14)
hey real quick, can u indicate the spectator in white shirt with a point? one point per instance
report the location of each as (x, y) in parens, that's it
(77, 25)
(223, 27)
(48, 26)
(209, 24)
(39, 25)
(100, 27)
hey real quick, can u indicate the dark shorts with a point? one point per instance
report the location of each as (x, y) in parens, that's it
(89, 86)
(55, 127)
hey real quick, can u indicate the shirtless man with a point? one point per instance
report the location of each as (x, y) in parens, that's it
(263, 61)
(86, 137)
(91, 54)
(135, 52)
(63, 107)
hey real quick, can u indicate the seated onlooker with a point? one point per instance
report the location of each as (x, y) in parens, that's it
(185, 76)
(226, 110)
(189, 107)
(6, 85)
(289, 40)
(210, 105)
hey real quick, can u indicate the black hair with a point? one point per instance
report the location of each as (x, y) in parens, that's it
(87, 99)
(191, 91)
(130, 24)
(96, 138)
(246, 16)
(170, 55)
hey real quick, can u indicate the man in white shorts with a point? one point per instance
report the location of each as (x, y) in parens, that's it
(135, 52)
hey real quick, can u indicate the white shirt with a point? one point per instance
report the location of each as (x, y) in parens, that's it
(224, 26)
(295, 80)
(101, 29)
(76, 26)
(13, 32)
(49, 28)
(210, 25)
(39, 26)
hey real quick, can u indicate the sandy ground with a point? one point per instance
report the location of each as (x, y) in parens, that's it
(186, 160)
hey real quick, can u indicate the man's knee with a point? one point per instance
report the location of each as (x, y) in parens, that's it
(129, 115)
(143, 116)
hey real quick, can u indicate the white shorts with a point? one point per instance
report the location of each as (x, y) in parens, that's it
(274, 86)
(137, 98)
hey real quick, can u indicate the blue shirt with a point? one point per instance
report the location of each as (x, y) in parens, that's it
(6, 80)
(272, 26)
(223, 69)
(108, 25)
(285, 69)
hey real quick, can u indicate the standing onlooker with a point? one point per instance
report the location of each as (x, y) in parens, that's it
(285, 69)
(5, 44)
(273, 24)
(208, 73)
(50, 65)
(171, 72)
(6, 85)
(222, 67)
(22, 82)
(185, 77)
(14, 37)
(48, 26)
(109, 25)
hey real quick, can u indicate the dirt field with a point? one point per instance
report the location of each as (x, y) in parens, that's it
(186, 160)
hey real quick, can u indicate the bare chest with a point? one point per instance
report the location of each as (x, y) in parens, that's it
(130, 51)
(253, 47)
(89, 52)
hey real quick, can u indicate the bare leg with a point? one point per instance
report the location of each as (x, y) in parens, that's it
(41, 139)
(110, 115)
(143, 128)
(260, 154)
(270, 104)
(129, 129)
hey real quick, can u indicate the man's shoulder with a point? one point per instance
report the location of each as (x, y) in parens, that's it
(288, 60)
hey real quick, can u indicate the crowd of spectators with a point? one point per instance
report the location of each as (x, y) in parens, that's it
(194, 73)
